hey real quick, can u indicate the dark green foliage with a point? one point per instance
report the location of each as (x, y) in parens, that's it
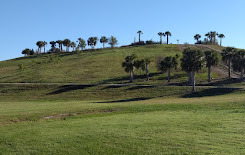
(211, 58)
(112, 41)
(28, 51)
(92, 41)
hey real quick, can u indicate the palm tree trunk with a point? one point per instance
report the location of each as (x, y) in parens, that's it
(147, 72)
(193, 81)
(131, 76)
(73, 48)
(209, 74)
(44, 48)
(139, 37)
(220, 41)
(61, 48)
(160, 39)
(242, 73)
(168, 74)
(103, 44)
(167, 39)
(189, 78)
(229, 68)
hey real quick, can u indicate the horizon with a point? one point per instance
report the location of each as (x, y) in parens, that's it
(26, 22)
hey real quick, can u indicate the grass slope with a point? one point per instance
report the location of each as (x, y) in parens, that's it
(100, 66)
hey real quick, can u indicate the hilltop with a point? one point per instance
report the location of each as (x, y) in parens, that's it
(98, 66)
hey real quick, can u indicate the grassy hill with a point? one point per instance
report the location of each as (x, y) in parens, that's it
(99, 66)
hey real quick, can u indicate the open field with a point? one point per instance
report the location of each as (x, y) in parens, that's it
(128, 120)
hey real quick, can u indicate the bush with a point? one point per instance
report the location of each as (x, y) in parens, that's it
(149, 42)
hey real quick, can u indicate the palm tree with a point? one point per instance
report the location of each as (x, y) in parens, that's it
(192, 61)
(92, 41)
(44, 45)
(103, 40)
(161, 34)
(147, 61)
(167, 33)
(113, 41)
(73, 45)
(67, 43)
(167, 64)
(53, 44)
(39, 45)
(60, 42)
(227, 55)
(129, 65)
(221, 36)
(82, 44)
(139, 32)
(211, 58)
(207, 35)
(213, 35)
(238, 62)
(197, 37)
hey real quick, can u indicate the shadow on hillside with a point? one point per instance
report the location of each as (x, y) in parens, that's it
(211, 92)
(67, 88)
(176, 76)
(224, 82)
(113, 86)
(127, 100)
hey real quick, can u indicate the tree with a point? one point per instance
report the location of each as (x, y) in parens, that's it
(92, 41)
(227, 55)
(112, 41)
(39, 45)
(82, 44)
(103, 40)
(144, 65)
(67, 43)
(129, 65)
(221, 36)
(28, 51)
(191, 62)
(139, 32)
(197, 37)
(211, 58)
(60, 42)
(167, 33)
(168, 63)
(207, 35)
(73, 45)
(44, 43)
(53, 44)
(161, 34)
(213, 35)
(238, 62)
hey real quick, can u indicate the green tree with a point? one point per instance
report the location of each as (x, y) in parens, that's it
(139, 32)
(207, 35)
(92, 41)
(44, 43)
(39, 45)
(67, 44)
(168, 34)
(112, 41)
(221, 36)
(161, 34)
(53, 44)
(82, 44)
(28, 51)
(168, 63)
(129, 65)
(73, 45)
(191, 62)
(197, 37)
(144, 65)
(60, 42)
(238, 62)
(211, 58)
(227, 55)
(103, 40)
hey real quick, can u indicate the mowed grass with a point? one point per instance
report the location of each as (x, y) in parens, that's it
(99, 66)
(172, 121)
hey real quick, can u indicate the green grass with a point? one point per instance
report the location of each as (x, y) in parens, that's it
(100, 66)
(105, 120)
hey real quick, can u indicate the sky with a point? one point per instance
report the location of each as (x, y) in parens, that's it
(24, 22)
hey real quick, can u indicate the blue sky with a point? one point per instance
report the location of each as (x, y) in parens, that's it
(24, 22)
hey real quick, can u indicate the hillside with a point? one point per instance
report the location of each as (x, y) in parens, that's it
(99, 66)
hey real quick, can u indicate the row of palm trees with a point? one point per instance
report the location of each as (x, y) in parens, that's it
(161, 34)
(192, 61)
(92, 41)
(210, 37)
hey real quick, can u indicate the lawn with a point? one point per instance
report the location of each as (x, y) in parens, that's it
(126, 121)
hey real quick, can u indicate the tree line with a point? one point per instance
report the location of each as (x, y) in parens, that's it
(210, 38)
(192, 61)
(67, 43)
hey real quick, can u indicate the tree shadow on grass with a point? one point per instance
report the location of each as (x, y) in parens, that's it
(67, 88)
(127, 100)
(224, 82)
(211, 92)
(140, 87)
(112, 87)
